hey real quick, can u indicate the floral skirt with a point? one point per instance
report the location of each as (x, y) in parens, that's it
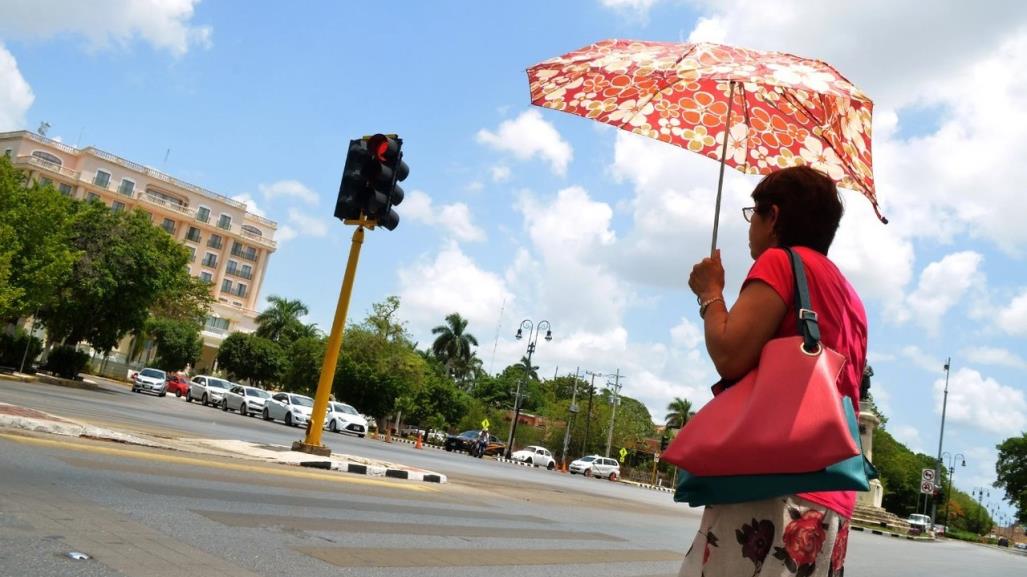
(786, 536)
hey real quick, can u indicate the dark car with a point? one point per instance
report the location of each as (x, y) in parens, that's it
(465, 442)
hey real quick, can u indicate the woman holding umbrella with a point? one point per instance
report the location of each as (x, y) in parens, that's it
(802, 534)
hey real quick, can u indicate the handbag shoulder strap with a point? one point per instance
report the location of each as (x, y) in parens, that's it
(809, 328)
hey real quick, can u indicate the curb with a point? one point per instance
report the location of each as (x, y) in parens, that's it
(376, 471)
(409, 442)
(889, 534)
(647, 486)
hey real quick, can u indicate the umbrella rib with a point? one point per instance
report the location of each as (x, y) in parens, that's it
(653, 94)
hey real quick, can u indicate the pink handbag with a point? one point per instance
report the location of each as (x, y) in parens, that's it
(784, 416)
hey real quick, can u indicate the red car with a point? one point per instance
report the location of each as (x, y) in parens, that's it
(178, 384)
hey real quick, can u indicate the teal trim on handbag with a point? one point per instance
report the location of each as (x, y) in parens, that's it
(852, 474)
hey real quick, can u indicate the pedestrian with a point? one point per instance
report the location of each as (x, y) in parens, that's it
(482, 444)
(803, 534)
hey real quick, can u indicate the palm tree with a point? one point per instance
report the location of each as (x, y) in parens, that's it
(680, 413)
(529, 371)
(281, 319)
(453, 345)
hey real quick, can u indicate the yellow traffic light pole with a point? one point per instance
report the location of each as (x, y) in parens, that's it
(312, 442)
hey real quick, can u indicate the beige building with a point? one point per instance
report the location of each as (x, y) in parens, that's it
(230, 246)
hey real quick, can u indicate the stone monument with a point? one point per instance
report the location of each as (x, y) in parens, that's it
(868, 421)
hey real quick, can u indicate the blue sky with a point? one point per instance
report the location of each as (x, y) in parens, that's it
(546, 216)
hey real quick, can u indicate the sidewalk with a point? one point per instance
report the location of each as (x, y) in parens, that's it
(22, 418)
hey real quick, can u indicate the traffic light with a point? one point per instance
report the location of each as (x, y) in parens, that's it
(663, 443)
(373, 167)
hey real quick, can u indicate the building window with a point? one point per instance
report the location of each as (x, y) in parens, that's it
(47, 157)
(8, 152)
(92, 196)
(214, 241)
(45, 182)
(225, 222)
(246, 272)
(226, 286)
(193, 234)
(65, 188)
(210, 259)
(203, 214)
(216, 324)
(242, 251)
(102, 178)
(117, 206)
(207, 277)
(251, 230)
(127, 187)
(168, 225)
(240, 290)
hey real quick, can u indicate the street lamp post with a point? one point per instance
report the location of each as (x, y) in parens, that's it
(952, 473)
(941, 437)
(614, 400)
(532, 339)
(573, 409)
(588, 416)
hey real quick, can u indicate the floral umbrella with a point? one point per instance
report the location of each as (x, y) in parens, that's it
(777, 110)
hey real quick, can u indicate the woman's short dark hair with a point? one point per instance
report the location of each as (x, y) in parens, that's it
(809, 207)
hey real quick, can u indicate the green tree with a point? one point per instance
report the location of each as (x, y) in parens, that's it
(123, 264)
(186, 298)
(281, 323)
(252, 358)
(178, 343)
(36, 254)
(373, 372)
(303, 365)
(453, 344)
(679, 413)
(1011, 469)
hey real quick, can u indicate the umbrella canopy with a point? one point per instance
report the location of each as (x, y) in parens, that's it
(753, 110)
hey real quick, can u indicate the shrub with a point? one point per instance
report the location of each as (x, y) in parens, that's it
(12, 349)
(66, 362)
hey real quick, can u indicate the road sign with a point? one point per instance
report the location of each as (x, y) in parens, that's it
(484, 423)
(623, 453)
(927, 476)
(927, 487)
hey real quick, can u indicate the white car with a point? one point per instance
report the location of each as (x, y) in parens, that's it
(596, 466)
(535, 455)
(208, 390)
(918, 523)
(343, 418)
(246, 400)
(292, 409)
(151, 380)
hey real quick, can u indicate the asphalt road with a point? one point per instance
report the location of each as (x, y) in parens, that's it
(144, 512)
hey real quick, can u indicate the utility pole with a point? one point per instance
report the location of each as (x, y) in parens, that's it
(588, 417)
(941, 437)
(532, 340)
(570, 421)
(615, 400)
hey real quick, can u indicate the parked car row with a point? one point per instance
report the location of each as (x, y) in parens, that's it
(290, 408)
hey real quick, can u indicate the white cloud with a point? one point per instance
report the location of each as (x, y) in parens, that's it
(530, 135)
(687, 334)
(455, 219)
(995, 356)
(638, 8)
(451, 281)
(165, 24)
(288, 189)
(474, 186)
(1013, 318)
(251, 205)
(15, 93)
(285, 233)
(982, 402)
(908, 435)
(923, 360)
(308, 225)
(500, 173)
(942, 285)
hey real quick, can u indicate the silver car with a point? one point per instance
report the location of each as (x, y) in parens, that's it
(150, 380)
(245, 400)
(208, 390)
(596, 466)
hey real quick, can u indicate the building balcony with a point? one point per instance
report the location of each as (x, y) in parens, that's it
(158, 201)
(46, 165)
(260, 240)
(251, 256)
(215, 242)
(237, 272)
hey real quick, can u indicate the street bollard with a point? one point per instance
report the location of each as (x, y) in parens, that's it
(419, 444)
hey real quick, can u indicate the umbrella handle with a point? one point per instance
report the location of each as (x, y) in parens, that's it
(723, 159)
